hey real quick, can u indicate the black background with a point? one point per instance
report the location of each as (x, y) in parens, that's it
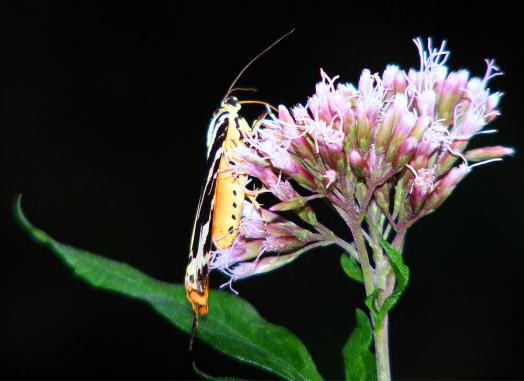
(104, 113)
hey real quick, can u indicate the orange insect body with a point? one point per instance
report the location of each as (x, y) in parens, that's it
(229, 196)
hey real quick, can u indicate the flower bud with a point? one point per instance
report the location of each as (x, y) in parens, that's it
(365, 84)
(405, 153)
(439, 75)
(350, 132)
(472, 122)
(358, 164)
(308, 214)
(391, 119)
(364, 131)
(247, 155)
(283, 161)
(372, 158)
(451, 93)
(446, 186)
(475, 89)
(328, 178)
(284, 115)
(402, 130)
(339, 105)
(422, 185)
(253, 229)
(421, 126)
(426, 103)
(290, 204)
(388, 77)
(384, 130)
(263, 265)
(487, 153)
(265, 175)
(300, 114)
(240, 251)
(400, 82)
(283, 190)
(491, 106)
(299, 144)
(279, 244)
(382, 196)
(250, 212)
(349, 92)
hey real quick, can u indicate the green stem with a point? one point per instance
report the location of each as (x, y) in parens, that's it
(382, 351)
(381, 333)
(367, 270)
(331, 236)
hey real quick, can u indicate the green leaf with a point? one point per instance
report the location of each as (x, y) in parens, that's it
(359, 361)
(232, 327)
(402, 272)
(370, 303)
(351, 268)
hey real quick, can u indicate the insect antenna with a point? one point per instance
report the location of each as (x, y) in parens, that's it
(259, 103)
(254, 59)
(243, 89)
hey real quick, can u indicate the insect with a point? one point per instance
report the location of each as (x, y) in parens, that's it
(220, 205)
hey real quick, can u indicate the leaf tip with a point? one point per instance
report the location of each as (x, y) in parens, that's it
(35, 233)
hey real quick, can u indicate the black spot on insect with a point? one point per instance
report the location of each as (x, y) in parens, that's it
(191, 278)
(233, 217)
(231, 101)
(237, 124)
(234, 205)
(223, 125)
(230, 229)
(205, 270)
(231, 162)
(234, 192)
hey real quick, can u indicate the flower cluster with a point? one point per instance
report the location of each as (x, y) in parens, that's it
(383, 154)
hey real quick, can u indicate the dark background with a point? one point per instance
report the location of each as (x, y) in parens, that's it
(103, 118)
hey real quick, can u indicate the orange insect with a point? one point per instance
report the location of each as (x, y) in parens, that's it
(222, 197)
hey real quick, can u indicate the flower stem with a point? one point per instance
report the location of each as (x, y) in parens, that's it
(367, 270)
(381, 332)
(382, 350)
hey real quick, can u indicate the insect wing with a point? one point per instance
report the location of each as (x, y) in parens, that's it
(201, 241)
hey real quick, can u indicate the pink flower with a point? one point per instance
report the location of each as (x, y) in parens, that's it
(395, 143)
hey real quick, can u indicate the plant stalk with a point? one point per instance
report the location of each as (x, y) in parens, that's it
(367, 270)
(381, 333)
(382, 350)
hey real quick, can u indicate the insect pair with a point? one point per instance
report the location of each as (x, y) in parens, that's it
(219, 208)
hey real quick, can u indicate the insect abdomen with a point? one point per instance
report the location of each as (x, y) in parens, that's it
(228, 206)
(229, 193)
